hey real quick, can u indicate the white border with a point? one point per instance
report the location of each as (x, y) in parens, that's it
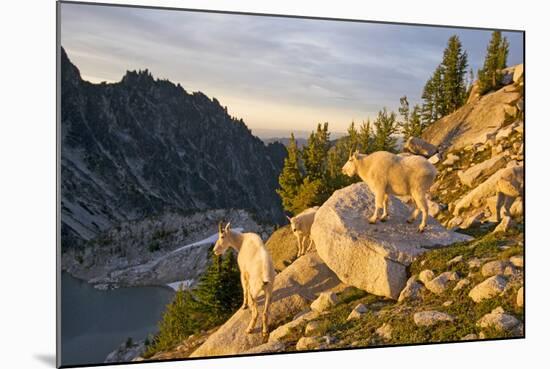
(27, 186)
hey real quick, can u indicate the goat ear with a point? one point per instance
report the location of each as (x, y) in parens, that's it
(227, 227)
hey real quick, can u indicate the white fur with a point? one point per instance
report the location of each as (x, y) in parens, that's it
(389, 174)
(256, 267)
(508, 188)
(301, 227)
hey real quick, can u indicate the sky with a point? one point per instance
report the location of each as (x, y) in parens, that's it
(277, 74)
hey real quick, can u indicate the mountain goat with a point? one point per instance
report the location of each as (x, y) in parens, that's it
(301, 227)
(508, 188)
(386, 173)
(256, 267)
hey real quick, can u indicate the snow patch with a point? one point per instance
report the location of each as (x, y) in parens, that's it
(185, 285)
(207, 241)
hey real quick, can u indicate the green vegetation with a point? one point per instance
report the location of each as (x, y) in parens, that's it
(154, 246)
(312, 174)
(290, 178)
(490, 76)
(362, 331)
(217, 296)
(411, 124)
(446, 90)
(385, 127)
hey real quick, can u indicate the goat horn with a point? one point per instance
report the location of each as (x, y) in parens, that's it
(220, 226)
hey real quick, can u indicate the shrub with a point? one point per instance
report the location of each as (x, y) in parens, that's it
(217, 296)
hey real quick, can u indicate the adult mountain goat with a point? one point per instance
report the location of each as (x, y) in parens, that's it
(301, 227)
(389, 174)
(256, 267)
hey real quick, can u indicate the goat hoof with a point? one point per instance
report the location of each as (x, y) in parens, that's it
(420, 229)
(410, 221)
(372, 221)
(383, 219)
(248, 330)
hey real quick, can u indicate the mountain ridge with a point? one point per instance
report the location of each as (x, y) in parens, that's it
(144, 146)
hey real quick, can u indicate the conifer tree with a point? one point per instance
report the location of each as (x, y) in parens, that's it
(365, 137)
(218, 295)
(337, 157)
(315, 153)
(312, 192)
(446, 89)
(353, 139)
(290, 178)
(385, 129)
(432, 95)
(218, 288)
(454, 64)
(490, 76)
(416, 124)
(411, 122)
(404, 109)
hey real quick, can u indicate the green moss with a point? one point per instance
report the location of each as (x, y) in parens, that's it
(362, 331)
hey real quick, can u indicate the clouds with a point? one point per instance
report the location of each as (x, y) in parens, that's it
(272, 71)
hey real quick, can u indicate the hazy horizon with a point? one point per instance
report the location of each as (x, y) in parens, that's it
(277, 74)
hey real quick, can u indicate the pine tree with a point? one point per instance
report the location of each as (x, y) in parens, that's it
(175, 324)
(490, 76)
(218, 289)
(365, 137)
(404, 109)
(385, 129)
(454, 64)
(218, 295)
(411, 122)
(315, 153)
(353, 137)
(432, 107)
(312, 192)
(290, 178)
(446, 89)
(416, 124)
(337, 157)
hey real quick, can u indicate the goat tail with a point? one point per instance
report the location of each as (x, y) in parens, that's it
(266, 274)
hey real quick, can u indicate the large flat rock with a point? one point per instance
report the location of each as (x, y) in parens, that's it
(373, 257)
(294, 289)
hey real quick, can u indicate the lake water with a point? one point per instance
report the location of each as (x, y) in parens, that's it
(95, 322)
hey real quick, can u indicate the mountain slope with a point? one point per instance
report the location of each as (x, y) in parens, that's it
(141, 147)
(481, 116)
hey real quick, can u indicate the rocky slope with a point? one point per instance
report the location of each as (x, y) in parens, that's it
(391, 285)
(158, 250)
(480, 117)
(485, 146)
(143, 146)
(467, 291)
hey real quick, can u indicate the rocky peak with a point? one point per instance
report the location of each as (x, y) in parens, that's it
(144, 146)
(69, 72)
(138, 78)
